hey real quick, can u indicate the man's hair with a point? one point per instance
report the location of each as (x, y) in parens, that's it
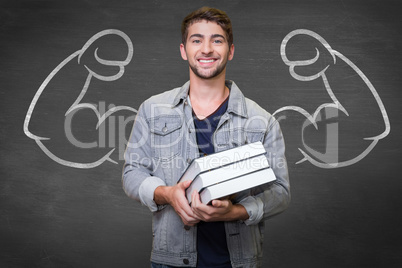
(208, 14)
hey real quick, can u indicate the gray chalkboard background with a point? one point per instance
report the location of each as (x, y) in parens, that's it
(55, 215)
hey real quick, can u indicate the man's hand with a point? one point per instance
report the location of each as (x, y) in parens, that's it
(220, 210)
(176, 197)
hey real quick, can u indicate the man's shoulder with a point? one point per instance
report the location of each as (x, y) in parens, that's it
(244, 105)
(258, 117)
(166, 97)
(162, 103)
(247, 107)
(253, 108)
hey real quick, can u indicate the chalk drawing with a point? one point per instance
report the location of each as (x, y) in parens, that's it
(314, 118)
(326, 160)
(77, 105)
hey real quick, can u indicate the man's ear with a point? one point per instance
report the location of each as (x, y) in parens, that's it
(231, 52)
(183, 52)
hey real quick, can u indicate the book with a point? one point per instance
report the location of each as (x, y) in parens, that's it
(219, 159)
(224, 173)
(236, 184)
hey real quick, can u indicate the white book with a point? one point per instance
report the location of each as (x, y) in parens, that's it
(236, 169)
(237, 184)
(219, 159)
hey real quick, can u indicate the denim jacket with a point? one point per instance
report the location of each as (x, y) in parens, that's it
(161, 146)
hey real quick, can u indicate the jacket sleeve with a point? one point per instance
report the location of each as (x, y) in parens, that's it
(138, 181)
(273, 198)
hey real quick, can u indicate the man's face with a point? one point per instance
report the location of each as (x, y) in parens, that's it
(207, 50)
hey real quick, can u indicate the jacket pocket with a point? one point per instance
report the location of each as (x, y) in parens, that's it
(251, 135)
(166, 136)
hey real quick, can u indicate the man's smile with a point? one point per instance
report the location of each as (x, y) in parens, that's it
(206, 61)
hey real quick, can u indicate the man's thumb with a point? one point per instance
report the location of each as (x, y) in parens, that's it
(185, 184)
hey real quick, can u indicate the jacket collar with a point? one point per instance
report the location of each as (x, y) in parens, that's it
(236, 105)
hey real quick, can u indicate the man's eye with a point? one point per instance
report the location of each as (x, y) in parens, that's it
(196, 41)
(217, 41)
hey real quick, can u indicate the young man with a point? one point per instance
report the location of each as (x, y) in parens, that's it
(206, 115)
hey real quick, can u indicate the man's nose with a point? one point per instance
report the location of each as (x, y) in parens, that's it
(207, 48)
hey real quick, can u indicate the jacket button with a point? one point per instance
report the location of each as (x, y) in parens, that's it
(186, 261)
(186, 227)
(189, 160)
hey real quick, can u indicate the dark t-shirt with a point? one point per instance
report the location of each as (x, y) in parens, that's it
(211, 236)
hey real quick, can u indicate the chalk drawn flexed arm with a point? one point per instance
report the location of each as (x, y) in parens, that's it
(77, 104)
(335, 104)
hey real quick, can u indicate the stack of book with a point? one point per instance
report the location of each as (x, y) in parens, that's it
(225, 173)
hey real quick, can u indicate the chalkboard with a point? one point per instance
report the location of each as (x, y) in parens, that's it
(73, 74)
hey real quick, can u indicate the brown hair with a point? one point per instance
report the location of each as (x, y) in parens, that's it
(208, 14)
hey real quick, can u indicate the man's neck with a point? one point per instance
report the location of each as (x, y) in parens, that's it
(205, 91)
(206, 95)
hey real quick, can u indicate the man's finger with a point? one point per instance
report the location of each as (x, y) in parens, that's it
(217, 203)
(220, 203)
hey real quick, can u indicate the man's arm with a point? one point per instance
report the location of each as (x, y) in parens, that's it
(138, 183)
(270, 199)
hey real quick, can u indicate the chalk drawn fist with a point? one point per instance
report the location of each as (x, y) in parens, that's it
(326, 64)
(63, 92)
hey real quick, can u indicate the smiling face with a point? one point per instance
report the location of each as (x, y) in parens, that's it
(206, 50)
